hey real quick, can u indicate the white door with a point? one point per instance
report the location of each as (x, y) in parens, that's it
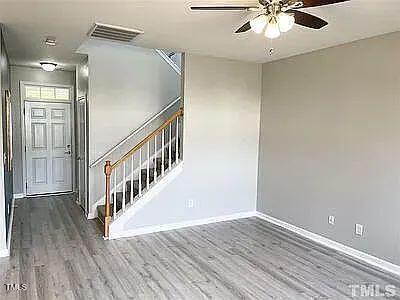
(48, 148)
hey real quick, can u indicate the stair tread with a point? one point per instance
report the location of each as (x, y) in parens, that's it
(119, 194)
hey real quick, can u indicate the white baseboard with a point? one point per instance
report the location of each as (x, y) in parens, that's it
(131, 209)
(92, 215)
(173, 226)
(19, 196)
(372, 260)
(4, 253)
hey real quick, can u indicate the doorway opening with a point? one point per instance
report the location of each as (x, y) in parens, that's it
(48, 138)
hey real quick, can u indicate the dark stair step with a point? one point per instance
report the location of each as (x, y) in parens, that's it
(135, 186)
(166, 161)
(119, 195)
(102, 208)
(144, 174)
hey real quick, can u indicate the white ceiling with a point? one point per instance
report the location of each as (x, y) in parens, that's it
(170, 24)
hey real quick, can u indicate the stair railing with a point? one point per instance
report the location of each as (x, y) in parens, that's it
(163, 142)
(135, 132)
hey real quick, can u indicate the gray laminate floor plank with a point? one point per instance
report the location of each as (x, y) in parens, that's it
(61, 255)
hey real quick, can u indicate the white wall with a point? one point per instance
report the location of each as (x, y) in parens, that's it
(330, 143)
(222, 108)
(19, 74)
(127, 86)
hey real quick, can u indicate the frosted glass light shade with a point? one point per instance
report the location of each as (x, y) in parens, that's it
(258, 24)
(272, 30)
(285, 21)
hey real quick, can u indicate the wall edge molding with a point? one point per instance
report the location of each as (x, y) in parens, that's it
(184, 224)
(370, 259)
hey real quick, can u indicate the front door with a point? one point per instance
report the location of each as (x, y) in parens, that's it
(48, 148)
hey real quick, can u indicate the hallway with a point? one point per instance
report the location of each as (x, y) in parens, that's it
(61, 255)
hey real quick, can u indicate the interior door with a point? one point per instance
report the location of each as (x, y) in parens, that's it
(48, 147)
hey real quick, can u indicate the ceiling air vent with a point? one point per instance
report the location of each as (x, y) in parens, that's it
(113, 33)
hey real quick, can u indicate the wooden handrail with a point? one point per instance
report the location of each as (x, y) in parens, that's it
(133, 133)
(108, 169)
(179, 113)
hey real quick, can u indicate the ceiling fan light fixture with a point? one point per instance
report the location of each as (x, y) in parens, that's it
(258, 24)
(285, 21)
(272, 31)
(48, 66)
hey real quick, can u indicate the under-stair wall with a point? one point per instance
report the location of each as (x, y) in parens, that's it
(218, 178)
(127, 86)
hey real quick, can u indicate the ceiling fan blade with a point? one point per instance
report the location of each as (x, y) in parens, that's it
(223, 8)
(246, 27)
(313, 3)
(307, 20)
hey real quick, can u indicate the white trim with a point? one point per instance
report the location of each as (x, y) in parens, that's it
(19, 196)
(10, 224)
(155, 188)
(133, 133)
(4, 253)
(370, 259)
(49, 194)
(92, 215)
(169, 61)
(174, 226)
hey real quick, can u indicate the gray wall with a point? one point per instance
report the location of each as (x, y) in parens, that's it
(8, 174)
(127, 86)
(3, 223)
(34, 75)
(221, 130)
(330, 144)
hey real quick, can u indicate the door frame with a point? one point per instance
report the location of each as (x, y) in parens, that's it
(85, 205)
(23, 131)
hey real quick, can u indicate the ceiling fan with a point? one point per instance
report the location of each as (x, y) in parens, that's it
(276, 16)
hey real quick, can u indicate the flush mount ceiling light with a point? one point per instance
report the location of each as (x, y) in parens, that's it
(276, 16)
(48, 66)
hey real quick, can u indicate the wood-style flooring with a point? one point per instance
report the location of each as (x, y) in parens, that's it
(59, 254)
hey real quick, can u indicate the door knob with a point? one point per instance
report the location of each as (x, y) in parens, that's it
(68, 152)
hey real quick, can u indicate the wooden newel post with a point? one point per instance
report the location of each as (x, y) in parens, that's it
(107, 218)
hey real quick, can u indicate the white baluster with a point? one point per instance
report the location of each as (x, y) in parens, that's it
(132, 173)
(115, 194)
(177, 140)
(140, 172)
(170, 146)
(155, 158)
(123, 186)
(162, 152)
(148, 166)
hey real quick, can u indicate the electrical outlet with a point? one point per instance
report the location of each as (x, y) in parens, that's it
(331, 220)
(359, 229)
(190, 203)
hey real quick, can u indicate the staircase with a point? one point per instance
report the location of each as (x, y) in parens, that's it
(140, 169)
(143, 182)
